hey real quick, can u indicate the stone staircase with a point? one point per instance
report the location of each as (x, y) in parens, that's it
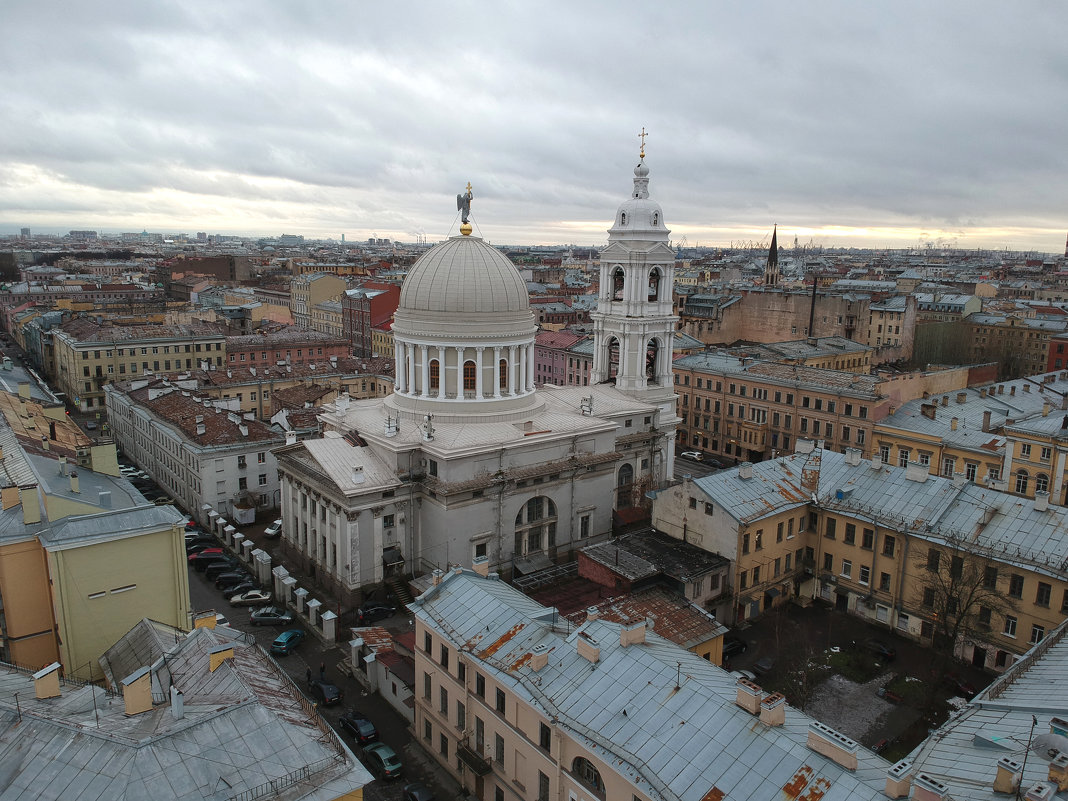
(399, 587)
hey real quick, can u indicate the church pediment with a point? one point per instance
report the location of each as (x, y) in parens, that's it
(620, 250)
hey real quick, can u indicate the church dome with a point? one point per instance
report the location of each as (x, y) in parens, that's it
(639, 216)
(464, 275)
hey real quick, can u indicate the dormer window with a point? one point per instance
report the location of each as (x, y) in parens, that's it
(656, 218)
(623, 218)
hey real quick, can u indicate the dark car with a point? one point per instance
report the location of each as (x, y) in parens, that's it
(362, 730)
(955, 684)
(230, 577)
(734, 646)
(271, 616)
(201, 545)
(372, 611)
(383, 760)
(881, 650)
(201, 559)
(239, 589)
(763, 665)
(417, 791)
(324, 692)
(225, 564)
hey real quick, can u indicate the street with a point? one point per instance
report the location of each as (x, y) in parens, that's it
(308, 656)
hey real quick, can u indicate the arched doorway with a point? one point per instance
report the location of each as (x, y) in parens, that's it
(625, 487)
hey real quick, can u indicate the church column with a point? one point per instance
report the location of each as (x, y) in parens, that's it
(424, 390)
(459, 372)
(441, 372)
(522, 382)
(400, 367)
(497, 371)
(511, 369)
(478, 372)
(530, 367)
(411, 369)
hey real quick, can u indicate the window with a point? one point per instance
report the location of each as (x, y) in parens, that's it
(428, 642)
(828, 562)
(427, 686)
(778, 533)
(469, 376)
(948, 465)
(829, 530)
(984, 616)
(956, 567)
(443, 746)
(461, 716)
(1037, 633)
(760, 539)
(261, 458)
(583, 770)
(743, 579)
(865, 574)
(1016, 583)
(884, 582)
(498, 749)
(443, 699)
(443, 656)
(933, 558)
(261, 479)
(990, 577)
(544, 736)
(428, 730)
(847, 568)
(480, 685)
(1021, 482)
(1041, 483)
(928, 597)
(500, 700)
(1010, 626)
(903, 457)
(850, 534)
(1025, 450)
(745, 543)
(867, 540)
(888, 545)
(756, 575)
(1042, 597)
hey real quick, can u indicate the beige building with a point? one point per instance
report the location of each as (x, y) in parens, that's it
(90, 355)
(308, 290)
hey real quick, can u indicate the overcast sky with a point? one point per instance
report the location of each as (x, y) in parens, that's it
(847, 123)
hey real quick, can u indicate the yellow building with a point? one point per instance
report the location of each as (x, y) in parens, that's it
(308, 290)
(382, 341)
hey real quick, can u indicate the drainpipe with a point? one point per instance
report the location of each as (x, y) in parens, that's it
(901, 575)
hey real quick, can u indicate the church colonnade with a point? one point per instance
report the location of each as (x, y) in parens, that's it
(446, 372)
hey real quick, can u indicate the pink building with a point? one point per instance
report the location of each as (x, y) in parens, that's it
(551, 351)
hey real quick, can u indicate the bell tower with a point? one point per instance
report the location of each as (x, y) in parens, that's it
(634, 325)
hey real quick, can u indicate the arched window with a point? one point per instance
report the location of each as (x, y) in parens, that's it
(503, 369)
(654, 284)
(583, 770)
(625, 487)
(652, 353)
(617, 283)
(613, 358)
(435, 374)
(656, 218)
(469, 376)
(623, 218)
(535, 526)
(1041, 483)
(1021, 482)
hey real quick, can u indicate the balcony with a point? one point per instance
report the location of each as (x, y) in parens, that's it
(473, 759)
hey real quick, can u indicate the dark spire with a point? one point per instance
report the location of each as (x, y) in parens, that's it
(773, 251)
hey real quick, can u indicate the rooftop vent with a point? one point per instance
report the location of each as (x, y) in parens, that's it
(632, 633)
(539, 657)
(916, 472)
(480, 564)
(962, 397)
(749, 696)
(833, 745)
(588, 648)
(899, 780)
(218, 655)
(928, 788)
(46, 681)
(852, 457)
(773, 710)
(137, 691)
(357, 474)
(745, 471)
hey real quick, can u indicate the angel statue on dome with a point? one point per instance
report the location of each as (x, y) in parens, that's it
(463, 203)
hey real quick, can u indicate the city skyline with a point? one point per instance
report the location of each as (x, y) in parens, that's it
(845, 126)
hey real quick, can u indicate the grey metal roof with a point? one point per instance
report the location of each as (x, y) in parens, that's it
(964, 752)
(678, 743)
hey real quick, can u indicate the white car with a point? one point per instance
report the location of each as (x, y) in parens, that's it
(695, 455)
(251, 598)
(273, 530)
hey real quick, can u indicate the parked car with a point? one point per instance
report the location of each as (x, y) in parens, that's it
(955, 684)
(200, 543)
(273, 530)
(697, 456)
(881, 650)
(417, 791)
(240, 588)
(744, 674)
(220, 620)
(372, 611)
(271, 616)
(383, 760)
(251, 598)
(324, 692)
(764, 665)
(734, 646)
(285, 642)
(231, 577)
(91, 426)
(205, 556)
(225, 564)
(362, 730)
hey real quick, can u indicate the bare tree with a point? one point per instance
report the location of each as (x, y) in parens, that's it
(960, 595)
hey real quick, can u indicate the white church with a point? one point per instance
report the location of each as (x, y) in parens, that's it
(466, 459)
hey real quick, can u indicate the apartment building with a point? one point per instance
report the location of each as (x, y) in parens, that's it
(932, 307)
(515, 704)
(364, 310)
(89, 354)
(553, 360)
(285, 346)
(741, 409)
(1020, 344)
(199, 452)
(869, 537)
(310, 289)
(327, 317)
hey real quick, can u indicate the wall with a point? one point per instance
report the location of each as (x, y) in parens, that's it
(27, 604)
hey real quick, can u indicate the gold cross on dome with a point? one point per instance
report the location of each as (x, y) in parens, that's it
(468, 187)
(642, 136)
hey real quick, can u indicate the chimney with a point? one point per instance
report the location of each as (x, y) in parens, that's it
(773, 710)
(1058, 771)
(201, 429)
(1007, 779)
(852, 457)
(1001, 389)
(959, 480)
(357, 474)
(435, 577)
(1045, 408)
(1041, 501)
(982, 392)
(899, 780)
(592, 613)
(1041, 791)
(137, 691)
(916, 472)
(587, 647)
(243, 429)
(928, 410)
(632, 633)
(749, 696)
(46, 682)
(953, 424)
(804, 446)
(1027, 388)
(745, 471)
(928, 788)
(104, 499)
(205, 620)
(177, 703)
(31, 504)
(218, 655)
(1012, 390)
(986, 421)
(945, 400)
(962, 397)
(74, 483)
(539, 657)
(291, 437)
(833, 745)
(480, 564)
